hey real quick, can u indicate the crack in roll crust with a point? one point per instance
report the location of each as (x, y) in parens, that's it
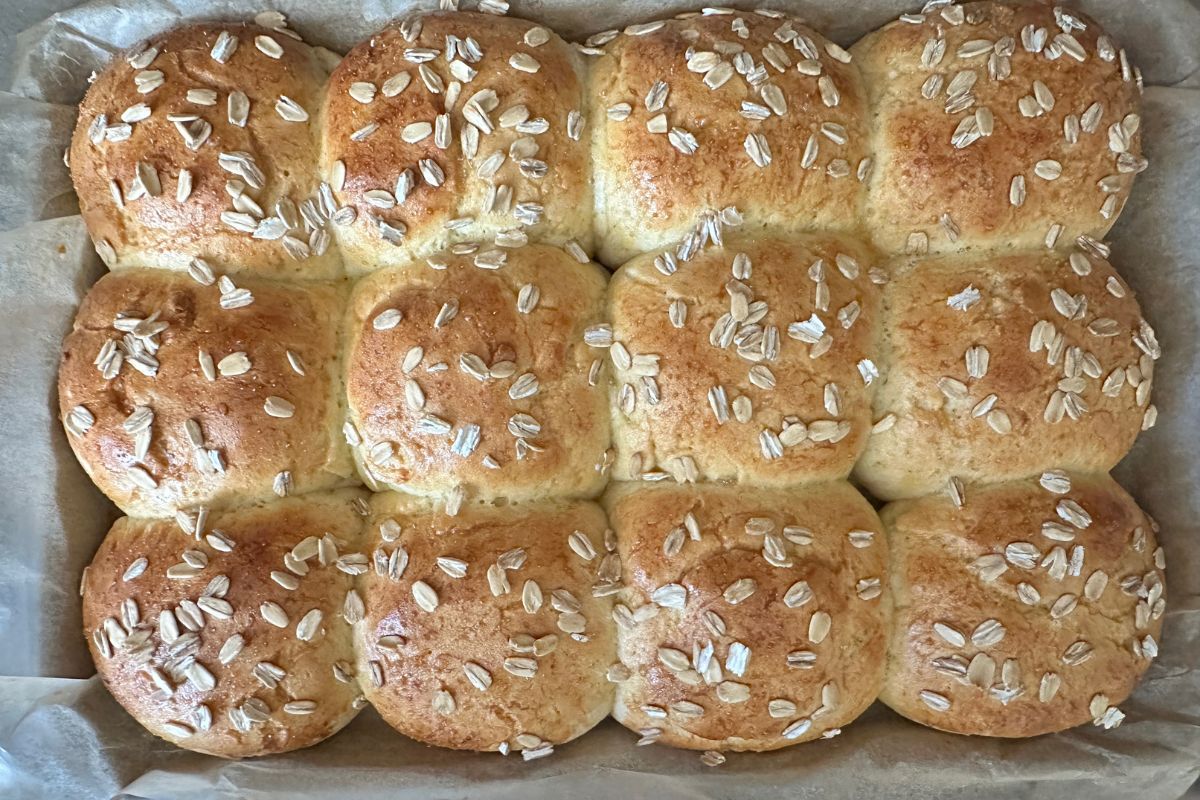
(479, 379)
(190, 654)
(498, 97)
(987, 354)
(814, 621)
(207, 441)
(168, 224)
(1096, 643)
(654, 182)
(506, 597)
(973, 120)
(781, 398)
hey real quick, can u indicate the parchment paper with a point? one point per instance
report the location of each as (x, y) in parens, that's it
(61, 735)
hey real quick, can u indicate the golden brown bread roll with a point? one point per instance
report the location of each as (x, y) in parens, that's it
(1000, 366)
(232, 639)
(203, 143)
(1024, 609)
(752, 362)
(751, 619)
(465, 380)
(175, 394)
(753, 111)
(490, 630)
(454, 127)
(997, 126)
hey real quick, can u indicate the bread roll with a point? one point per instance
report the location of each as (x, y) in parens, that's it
(229, 638)
(1024, 609)
(203, 143)
(453, 127)
(478, 380)
(780, 397)
(491, 630)
(997, 126)
(175, 394)
(1001, 366)
(751, 619)
(746, 110)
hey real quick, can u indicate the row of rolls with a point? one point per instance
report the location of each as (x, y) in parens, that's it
(980, 126)
(712, 617)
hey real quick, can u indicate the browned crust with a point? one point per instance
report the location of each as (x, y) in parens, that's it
(851, 657)
(683, 424)
(255, 446)
(547, 342)
(160, 231)
(262, 535)
(925, 340)
(569, 693)
(650, 194)
(919, 175)
(933, 545)
(377, 161)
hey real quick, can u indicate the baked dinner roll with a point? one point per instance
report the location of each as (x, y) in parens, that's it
(753, 362)
(231, 637)
(175, 394)
(746, 110)
(202, 142)
(491, 630)
(453, 127)
(1021, 608)
(1001, 366)
(472, 377)
(751, 619)
(997, 126)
